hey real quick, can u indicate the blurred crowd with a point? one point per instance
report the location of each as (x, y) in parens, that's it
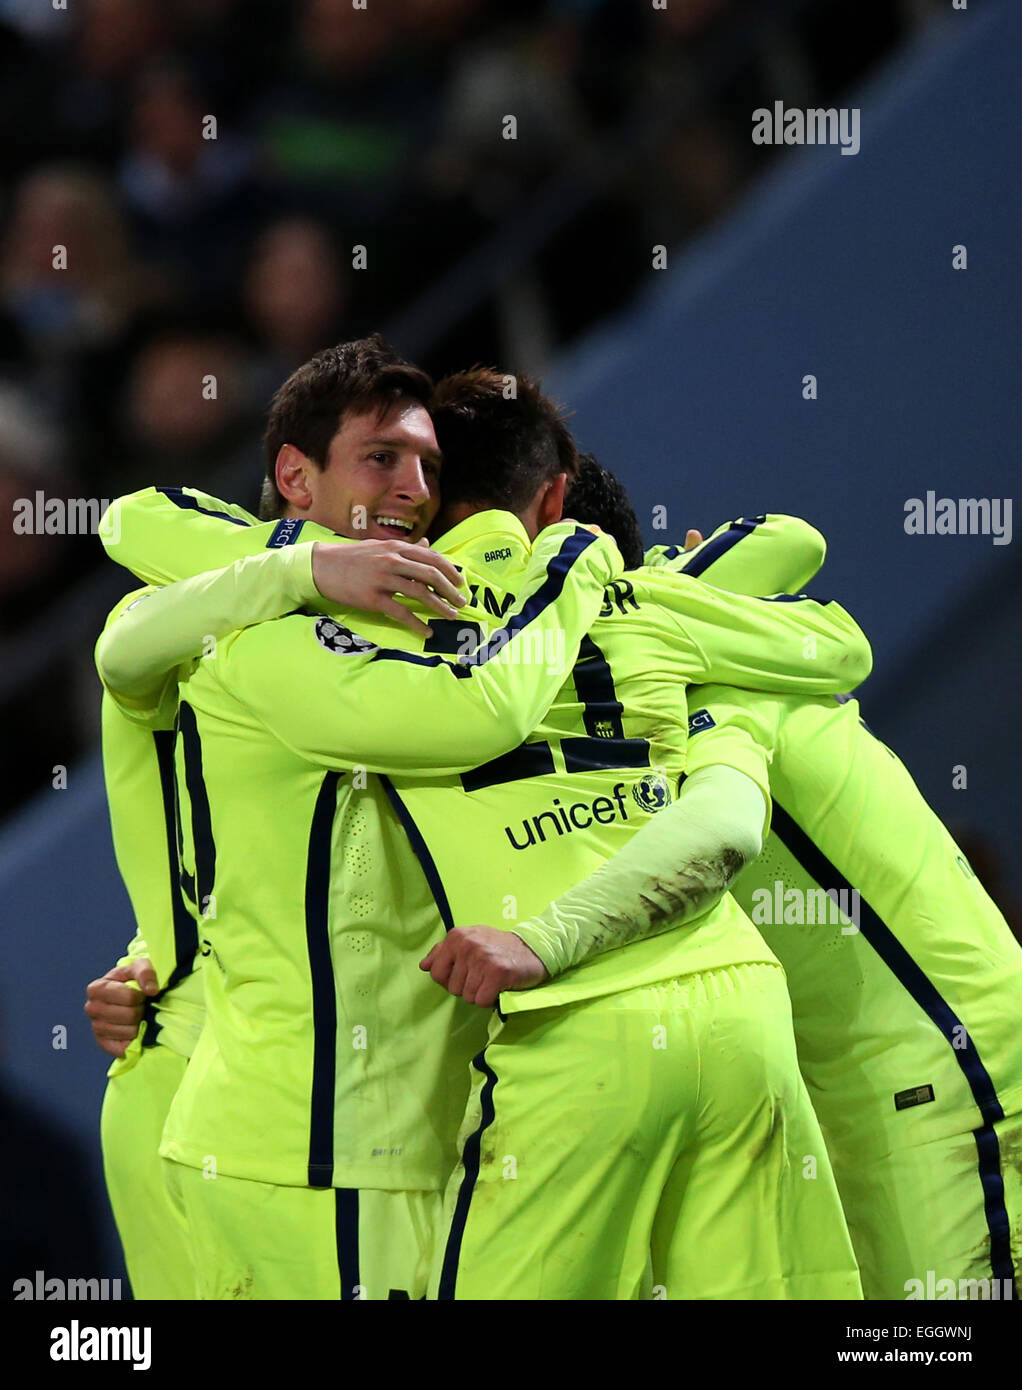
(184, 184)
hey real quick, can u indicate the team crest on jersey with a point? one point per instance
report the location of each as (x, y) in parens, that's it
(652, 792)
(603, 728)
(341, 639)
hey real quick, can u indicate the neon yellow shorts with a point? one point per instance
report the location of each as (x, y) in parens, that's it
(257, 1240)
(670, 1119)
(150, 1227)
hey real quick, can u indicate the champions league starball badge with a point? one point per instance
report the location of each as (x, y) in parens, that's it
(341, 639)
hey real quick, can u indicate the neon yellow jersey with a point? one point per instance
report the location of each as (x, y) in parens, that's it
(162, 534)
(769, 554)
(610, 754)
(906, 983)
(138, 768)
(138, 759)
(328, 1057)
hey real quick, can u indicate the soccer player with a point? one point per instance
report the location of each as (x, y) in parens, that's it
(586, 1138)
(138, 768)
(907, 999)
(273, 711)
(138, 771)
(905, 980)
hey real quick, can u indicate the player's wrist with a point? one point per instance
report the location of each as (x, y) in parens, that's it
(300, 565)
(536, 936)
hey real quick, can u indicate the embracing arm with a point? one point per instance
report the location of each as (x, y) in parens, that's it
(787, 643)
(674, 870)
(180, 622)
(161, 630)
(341, 701)
(771, 554)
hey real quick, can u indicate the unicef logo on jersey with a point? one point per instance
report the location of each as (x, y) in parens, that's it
(652, 792)
(341, 639)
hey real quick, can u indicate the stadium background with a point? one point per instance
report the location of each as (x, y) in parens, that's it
(337, 128)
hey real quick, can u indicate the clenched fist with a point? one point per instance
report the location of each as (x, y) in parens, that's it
(479, 962)
(115, 1004)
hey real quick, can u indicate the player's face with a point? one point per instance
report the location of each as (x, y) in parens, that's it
(382, 477)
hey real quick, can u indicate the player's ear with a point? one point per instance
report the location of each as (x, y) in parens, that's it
(551, 503)
(293, 468)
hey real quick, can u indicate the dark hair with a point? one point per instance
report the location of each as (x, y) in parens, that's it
(501, 438)
(308, 409)
(597, 498)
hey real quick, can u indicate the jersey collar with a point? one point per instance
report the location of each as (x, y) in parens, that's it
(492, 530)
